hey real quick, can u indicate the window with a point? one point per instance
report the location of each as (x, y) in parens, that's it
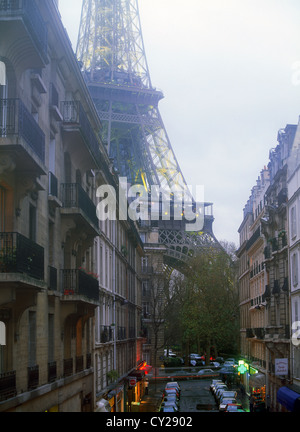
(295, 269)
(146, 308)
(2, 74)
(2, 208)
(32, 339)
(32, 222)
(293, 222)
(50, 338)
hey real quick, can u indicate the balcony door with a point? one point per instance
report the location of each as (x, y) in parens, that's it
(2, 208)
(3, 99)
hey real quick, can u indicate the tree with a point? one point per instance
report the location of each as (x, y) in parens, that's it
(205, 303)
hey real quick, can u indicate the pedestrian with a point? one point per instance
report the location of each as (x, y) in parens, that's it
(268, 403)
(146, 386)
(251, 403)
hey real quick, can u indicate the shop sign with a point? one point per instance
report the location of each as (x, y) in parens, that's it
(132, 381)
(281, 366)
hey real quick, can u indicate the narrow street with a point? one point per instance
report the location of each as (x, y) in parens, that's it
(195, 396)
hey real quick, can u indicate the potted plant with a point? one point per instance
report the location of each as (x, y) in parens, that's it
(112, 375)
(8, 259)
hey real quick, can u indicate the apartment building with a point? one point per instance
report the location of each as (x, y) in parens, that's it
(252, 280)
(264, 276)
(294, 256)
(70, 298)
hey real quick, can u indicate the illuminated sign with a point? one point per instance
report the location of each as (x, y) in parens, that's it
(2, 333)
(242, 367)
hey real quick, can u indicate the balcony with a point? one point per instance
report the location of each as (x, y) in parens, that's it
(19, 254)
(78, 129)
(147, 270)
(7, 385)
(52, 278)
(106, 334)
(53, 200)
(21, 135)
(33, 377)
(24, 31)
(52, 372)
(77, 204)
(79, 286)
(121, 333)
(68, 367)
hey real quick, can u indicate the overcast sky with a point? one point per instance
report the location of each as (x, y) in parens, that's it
(229, 73)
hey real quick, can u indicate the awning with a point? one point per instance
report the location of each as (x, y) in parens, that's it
(103, 406)
(257, 380)
(139, 374)
(147, 369)
(289, 399)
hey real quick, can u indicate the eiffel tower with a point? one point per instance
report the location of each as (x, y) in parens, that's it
(111, 51)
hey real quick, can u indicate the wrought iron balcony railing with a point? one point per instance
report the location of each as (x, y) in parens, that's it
(74, 196)
(79, 364)
(74, 115)
(78, 282)
(33, 20)
(52, 278)
(19, 254)
(52, 372)
(7, 385)
(15, 119)
(106, 334)
(121, 333)
(68, 367)
(53, 185)
(33, 377)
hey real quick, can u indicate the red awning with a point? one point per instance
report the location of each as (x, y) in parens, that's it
(147, 369)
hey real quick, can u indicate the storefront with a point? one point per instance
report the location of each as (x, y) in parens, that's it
(289, 398)
(137, 385)
(257, 387)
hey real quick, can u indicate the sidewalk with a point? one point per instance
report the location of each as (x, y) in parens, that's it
(151, 402)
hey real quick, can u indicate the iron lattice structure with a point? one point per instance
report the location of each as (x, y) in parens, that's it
(111, 50)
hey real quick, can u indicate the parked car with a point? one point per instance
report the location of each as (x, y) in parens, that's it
(215, 364)
(232, 360)
(219, 385)
(205, 372)
(169, 354)
(219, 360)
(168, 409)
(224, 403)
(227, 394)
(171, 391)
(172, 405)
(214, 383)
(234, 407)
(196, 360)
(171, 399)
(219, 390)
(173, 384)
(228, 364)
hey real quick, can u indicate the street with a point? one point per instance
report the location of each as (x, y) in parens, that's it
(195, 395)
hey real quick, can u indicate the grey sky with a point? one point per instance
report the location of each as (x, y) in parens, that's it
(226, 69)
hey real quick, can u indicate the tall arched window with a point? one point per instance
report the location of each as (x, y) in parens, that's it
(3, 81)
(2, 74)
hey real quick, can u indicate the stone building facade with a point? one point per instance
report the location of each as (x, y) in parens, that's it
(70, 290)
(265, 276)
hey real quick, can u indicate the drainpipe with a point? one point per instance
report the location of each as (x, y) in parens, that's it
(114, 297)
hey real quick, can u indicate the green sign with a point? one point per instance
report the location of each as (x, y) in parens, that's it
(243, 367)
